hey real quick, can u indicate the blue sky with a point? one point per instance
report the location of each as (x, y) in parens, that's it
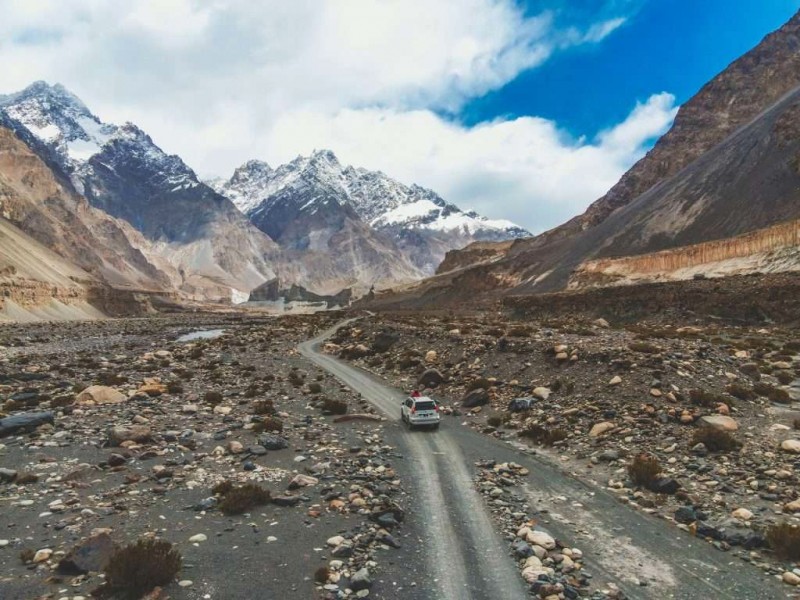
(527, 112)
(665, 45)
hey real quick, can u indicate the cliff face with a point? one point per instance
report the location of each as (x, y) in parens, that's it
(734, 97)
(33, 199)
(773, 249)
(729, 164)
(474, 254)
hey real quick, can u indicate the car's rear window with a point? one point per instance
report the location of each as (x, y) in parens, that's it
(428, 405)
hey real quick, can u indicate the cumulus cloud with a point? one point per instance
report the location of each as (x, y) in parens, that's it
(524, 169)
(222, 81)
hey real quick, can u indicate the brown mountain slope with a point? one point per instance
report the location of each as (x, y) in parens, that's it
(729, 165)
(34, 200)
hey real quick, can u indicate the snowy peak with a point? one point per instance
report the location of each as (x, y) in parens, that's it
(61, 121)
(378, 199)
(58, 118)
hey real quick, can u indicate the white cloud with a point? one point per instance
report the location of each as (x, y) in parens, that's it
(524, 169)
(222, 81)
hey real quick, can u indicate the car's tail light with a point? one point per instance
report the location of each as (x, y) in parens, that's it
(436, 407)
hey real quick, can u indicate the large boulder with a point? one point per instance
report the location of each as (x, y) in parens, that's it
(476, 397)
(137, 433)
(100, 394)
(385, 340)
(720, 422)
(273, 442)
(521, 404)
(90, 555)
(24, 422)
(430, 378)
(600, 428)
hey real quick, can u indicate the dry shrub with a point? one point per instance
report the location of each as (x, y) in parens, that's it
(26, 477)
(708, 399)
(779, 396)
(222, 488)
(27, 555)
(314, 388)
(796, 424)
(519, 331)
(494, 421)
(263, 407)
(644, 347)
(742, 392)
(241, 499)
(716, 440)
(174, 387)
(138, 568)
(213, 398)
(784, 539)
(269, 425)
(545, 436)
(321, 575)
(644, 470)
(336, 407)
(480, 382)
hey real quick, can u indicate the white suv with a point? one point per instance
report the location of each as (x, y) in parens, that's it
(420, 410)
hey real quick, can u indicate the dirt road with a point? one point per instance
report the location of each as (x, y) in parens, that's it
(645, 557)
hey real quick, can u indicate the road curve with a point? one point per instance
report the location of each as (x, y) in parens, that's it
(470, 561)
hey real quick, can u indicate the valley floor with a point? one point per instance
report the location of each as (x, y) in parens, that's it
(470, 511)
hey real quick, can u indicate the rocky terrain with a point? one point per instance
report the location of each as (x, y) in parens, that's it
(117, 431)
(694, 423)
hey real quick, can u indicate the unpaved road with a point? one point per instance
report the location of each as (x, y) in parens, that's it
(469, 560)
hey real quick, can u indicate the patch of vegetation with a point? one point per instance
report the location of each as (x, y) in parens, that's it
(545, 436)
(314, 388)
(716, 440)
(263, 407)
(644, 470)
(784, 377)
(138, 568)
(480, 382)
(519, 331)
(796, 424)
(644, 347)
(336, 407)
(740, 391)
(784, 539)
(222, 488)
(27, 555)
(241, 499)
(708, 399)
(213, 398)
(174, 387)
(269, 424)
(495, 421)
(321, 575)
(25, 477)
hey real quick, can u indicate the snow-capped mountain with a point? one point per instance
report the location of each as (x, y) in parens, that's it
(421, 223)
(120, 170)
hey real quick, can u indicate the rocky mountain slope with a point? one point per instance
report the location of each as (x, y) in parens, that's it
(215, 251)
(33, 199)
(295, 201)
(728, 166)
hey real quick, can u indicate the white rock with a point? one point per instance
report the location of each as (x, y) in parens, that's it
(540, 538)
(742, 514)
(336, 540)
(42, 555)
(792, 446)
(200, 537)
